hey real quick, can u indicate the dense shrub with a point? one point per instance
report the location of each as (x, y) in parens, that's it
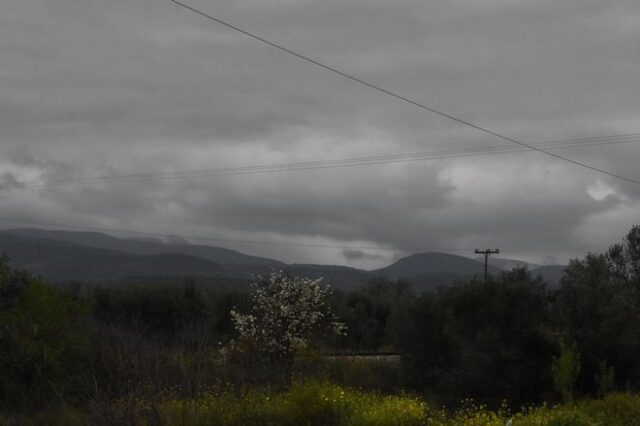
(482, 340)
(598, 308)
(189, 315)
(374, 314)
(42, 339)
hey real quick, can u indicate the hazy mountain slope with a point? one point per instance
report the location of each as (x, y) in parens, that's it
(94, 257)
(424, 264)
(63, 261)
(508, 264)
(146, 246)
(342, 277)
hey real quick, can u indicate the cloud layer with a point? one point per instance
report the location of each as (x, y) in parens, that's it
(106, 88)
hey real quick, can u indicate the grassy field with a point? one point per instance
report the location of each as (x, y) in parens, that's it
(321, 403)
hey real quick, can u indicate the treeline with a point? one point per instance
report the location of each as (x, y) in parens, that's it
(512, 337)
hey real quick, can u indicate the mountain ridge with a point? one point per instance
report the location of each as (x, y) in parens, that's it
(96, 257)
(145, 246)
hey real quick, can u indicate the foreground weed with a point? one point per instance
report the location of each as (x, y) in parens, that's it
(313, 403)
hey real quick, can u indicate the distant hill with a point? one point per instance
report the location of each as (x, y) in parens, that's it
(342, 277)
(61, 261)
(509, 264)
(146, 246)
(430, 263)
(95, 257)
(550, 273)
(429, 270)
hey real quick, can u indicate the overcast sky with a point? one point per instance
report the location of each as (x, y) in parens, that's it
(96, 88)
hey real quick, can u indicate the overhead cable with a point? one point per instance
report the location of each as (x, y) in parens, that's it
(403, 98)
(332, 163)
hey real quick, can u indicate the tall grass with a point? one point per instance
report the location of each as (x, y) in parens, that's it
(306, 403)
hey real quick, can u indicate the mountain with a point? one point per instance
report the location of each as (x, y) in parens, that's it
(430, 263)
(509, 264)
(147, 246)
(342, 277)
(550, 273)
(95, 257)
(62, 261)
(430, 270)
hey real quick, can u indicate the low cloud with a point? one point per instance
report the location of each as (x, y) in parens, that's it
(355, 255)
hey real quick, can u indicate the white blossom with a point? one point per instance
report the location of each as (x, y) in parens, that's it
(286, 311)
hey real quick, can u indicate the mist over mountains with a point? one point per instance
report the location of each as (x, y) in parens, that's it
(97, 258)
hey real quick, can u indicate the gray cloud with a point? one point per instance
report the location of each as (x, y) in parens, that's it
(357, 255)
(9, 180)
(93, 88)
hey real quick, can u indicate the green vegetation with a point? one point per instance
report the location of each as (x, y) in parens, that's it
(197, 355)
(41, 338)
(565, 369)
(317, 403)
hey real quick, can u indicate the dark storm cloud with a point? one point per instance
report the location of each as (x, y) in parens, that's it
(104, 88)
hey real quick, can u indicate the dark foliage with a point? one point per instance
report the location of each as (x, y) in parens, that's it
(42, 340)
(170, 314)
(488, 340)
(491, 340)
(598, 309)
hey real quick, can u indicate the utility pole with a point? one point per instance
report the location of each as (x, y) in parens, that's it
(486, 253)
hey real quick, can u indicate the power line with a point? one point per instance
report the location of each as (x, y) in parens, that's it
(223, 240)
(336, 163)
(402, 98)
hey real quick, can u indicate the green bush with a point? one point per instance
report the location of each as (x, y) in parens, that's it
(483, 340)
(614, 409)
(42, 339)
(565, 369)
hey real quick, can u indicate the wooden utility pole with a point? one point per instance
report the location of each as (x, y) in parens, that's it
(486, 253)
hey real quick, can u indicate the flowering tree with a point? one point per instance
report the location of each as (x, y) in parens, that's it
(286, 312)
